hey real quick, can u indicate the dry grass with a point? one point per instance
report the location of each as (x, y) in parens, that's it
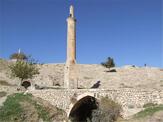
(4, 65)
(2, 94)
(108, 111)
(4, 83)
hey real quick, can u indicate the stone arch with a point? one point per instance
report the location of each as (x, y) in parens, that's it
(77, 99)
(26, 84)
(82, 109)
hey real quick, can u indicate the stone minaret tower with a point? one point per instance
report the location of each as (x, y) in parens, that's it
(70, 75)
(71, 37)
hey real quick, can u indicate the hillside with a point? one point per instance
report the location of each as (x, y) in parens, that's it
(90, 74)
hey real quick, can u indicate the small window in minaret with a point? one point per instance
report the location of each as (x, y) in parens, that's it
(70, 15)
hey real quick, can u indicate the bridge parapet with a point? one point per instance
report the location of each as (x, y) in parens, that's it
(131, 100)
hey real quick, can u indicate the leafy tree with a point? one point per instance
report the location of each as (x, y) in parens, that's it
(24, 69)
(109, 63)
(19, 56)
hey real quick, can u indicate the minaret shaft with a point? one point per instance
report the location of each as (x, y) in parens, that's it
(70, 75)
(71, 38)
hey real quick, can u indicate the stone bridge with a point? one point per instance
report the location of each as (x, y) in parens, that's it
(131, 100)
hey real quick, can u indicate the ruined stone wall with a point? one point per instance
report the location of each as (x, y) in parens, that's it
(88, 75)
(50, 75)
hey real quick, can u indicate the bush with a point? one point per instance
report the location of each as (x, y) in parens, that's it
(24, 69)
(109, 63)
(108, 111)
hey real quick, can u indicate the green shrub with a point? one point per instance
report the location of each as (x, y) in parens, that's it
(24, 69)
(108, 111)
(109, 63)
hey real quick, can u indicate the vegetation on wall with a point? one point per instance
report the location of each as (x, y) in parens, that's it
(109, 63)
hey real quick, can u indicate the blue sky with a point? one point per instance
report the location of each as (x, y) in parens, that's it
(127, 30)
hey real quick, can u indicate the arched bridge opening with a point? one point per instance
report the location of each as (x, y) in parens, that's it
(82, 110)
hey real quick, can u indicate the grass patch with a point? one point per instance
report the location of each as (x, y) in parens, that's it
(2, 94)
(13, 111)
(42, 112)
(149, 105)
(4, 83)
(149, 111)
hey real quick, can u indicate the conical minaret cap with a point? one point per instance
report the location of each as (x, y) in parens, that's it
(72, 11)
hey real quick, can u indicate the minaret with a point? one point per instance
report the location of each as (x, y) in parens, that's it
(70, 75)
(71, 37)
(19, 51)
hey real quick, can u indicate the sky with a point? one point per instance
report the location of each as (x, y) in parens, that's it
(127, 30)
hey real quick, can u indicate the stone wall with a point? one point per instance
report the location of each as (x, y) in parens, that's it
(132, 100)
(90, 74)
(50, 75)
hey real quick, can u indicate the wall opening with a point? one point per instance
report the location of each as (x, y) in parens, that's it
(26, 84)
(82, 110)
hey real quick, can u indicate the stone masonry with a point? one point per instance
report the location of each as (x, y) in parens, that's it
(131, 100)
(70, 76)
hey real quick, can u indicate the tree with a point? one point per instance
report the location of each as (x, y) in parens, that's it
(18, 56)
(109, 63)
(24, 69)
